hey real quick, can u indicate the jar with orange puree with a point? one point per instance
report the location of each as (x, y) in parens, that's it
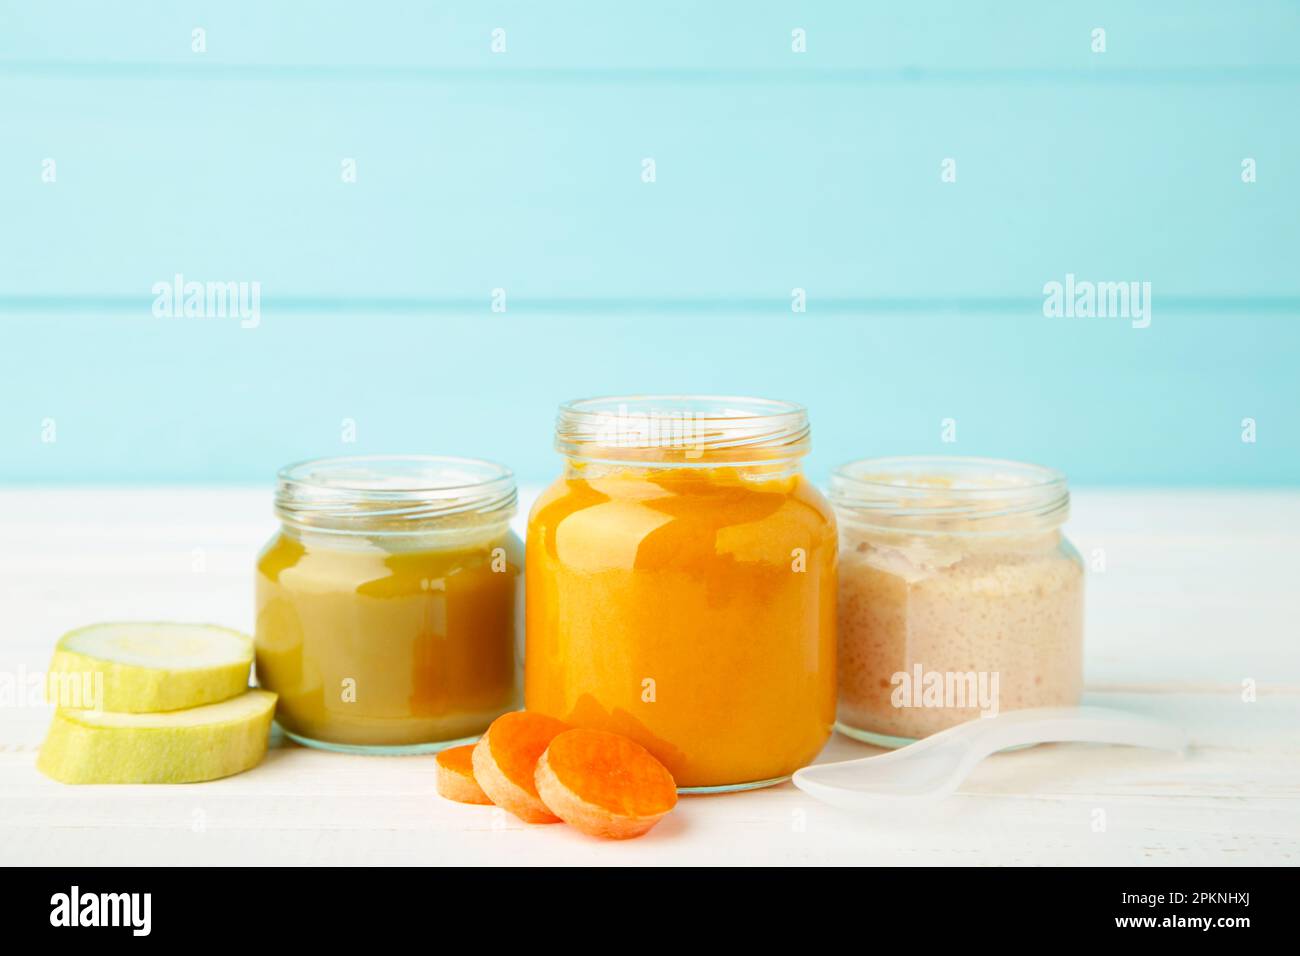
(387, 603)
(681, 586)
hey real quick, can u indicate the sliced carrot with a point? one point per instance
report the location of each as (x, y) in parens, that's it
(505, 762)
(604, 784)
(456, 775)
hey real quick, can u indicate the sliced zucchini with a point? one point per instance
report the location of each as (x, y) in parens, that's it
(179, 746)
(147, 667)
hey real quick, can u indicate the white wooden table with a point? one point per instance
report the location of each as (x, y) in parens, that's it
(1200, 594)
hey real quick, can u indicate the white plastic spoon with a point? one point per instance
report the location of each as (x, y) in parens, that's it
(931, 769)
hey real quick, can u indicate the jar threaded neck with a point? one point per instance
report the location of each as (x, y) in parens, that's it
(682, 429)
(951, 495)
(369, 494)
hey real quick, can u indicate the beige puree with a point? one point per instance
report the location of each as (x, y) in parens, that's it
(989, 622)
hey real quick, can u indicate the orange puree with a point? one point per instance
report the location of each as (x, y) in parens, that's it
(691, 609)
(368, 643)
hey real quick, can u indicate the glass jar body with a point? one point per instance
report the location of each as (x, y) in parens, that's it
(390, 643)
(938, 629)
(689, 608)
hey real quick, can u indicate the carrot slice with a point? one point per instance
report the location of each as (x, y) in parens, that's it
(604, 784)
(456, 775)
(505, 762)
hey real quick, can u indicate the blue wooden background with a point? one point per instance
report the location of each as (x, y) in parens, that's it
(522, 171)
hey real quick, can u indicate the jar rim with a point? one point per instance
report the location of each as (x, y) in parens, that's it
(682, 429)
(396, 493)
(948, 493)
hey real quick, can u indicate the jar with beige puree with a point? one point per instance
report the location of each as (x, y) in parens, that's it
(958, 594)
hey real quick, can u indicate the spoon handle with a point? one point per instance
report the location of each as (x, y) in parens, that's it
(1043, 725)
(934, 767)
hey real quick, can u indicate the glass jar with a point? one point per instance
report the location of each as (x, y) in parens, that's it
(681, 586)
(387, 602)
(958, 594)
